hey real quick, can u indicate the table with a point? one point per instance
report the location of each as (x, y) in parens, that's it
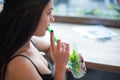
(98, 55)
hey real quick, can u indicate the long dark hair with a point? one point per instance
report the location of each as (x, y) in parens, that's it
(17, 25)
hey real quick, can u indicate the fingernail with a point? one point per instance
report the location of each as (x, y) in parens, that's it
(51, 30)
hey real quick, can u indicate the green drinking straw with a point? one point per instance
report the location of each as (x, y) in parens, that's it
(49, 30)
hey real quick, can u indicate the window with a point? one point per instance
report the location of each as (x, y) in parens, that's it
(1, 4)
(106, 12)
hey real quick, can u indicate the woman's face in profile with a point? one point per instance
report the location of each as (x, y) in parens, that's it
(45, 20)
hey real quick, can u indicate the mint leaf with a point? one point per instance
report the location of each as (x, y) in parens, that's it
(74, 57)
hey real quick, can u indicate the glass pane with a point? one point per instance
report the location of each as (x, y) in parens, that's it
(1, 4)
(108, 9)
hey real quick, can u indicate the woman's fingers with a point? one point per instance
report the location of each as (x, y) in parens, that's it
(81, 58)
(52, 39)
(58, 45)
(68, 68)
(59, 51)
(67, 48)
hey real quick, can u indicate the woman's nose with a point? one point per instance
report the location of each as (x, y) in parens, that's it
(52, 19)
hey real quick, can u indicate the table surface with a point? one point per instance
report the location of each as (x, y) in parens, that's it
(97, 55)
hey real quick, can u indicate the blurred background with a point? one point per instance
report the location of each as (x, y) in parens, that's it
(109, 9)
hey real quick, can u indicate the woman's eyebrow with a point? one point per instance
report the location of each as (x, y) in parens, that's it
(50, 9)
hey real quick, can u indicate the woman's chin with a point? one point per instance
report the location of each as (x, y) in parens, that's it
(40, 34)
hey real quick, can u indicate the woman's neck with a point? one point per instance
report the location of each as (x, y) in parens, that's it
(25, 47)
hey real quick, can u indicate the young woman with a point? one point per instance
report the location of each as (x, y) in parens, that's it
(20, 53)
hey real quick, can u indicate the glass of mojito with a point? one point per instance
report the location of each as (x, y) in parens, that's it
(76, 63)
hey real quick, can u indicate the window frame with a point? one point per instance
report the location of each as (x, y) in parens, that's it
(88, 21)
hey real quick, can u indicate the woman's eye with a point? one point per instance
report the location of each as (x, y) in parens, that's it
(49, 13)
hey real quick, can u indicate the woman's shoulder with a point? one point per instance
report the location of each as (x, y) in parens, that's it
(21, 68)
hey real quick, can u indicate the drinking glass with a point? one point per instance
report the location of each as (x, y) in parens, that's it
(76, 63)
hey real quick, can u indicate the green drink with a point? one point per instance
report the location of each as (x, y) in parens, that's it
(76, 64)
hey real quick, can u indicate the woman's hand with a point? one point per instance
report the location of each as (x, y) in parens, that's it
(82, 63)
(59, 51)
